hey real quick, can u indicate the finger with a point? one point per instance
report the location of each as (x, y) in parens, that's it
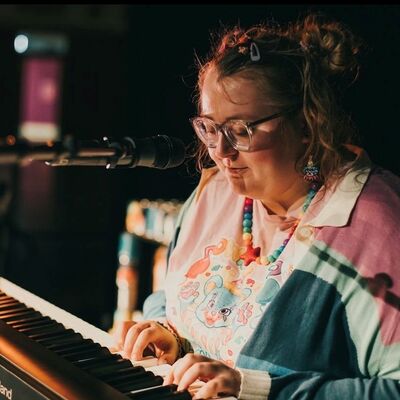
(226, 382)
(120, 332)
(143, 339)
(131, 337)
(212, 388)
(199, 370)
(182, 365)
(170, 377)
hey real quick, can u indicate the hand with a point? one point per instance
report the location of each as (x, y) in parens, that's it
(135, 338)
(220, 379)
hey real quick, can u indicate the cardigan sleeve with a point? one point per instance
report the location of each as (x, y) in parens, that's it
(258, 385)
(317, 386)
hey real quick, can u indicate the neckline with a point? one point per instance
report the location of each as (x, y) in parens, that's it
(250, 253)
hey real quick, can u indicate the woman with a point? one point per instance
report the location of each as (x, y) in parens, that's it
(282, 277)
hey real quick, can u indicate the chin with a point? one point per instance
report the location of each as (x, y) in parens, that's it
(238, 187)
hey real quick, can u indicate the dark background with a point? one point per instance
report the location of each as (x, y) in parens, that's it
(130, 71)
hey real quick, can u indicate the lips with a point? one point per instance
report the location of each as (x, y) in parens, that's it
(235, 170)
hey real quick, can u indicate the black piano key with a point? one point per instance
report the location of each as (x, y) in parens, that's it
(98, 361)
(24, 318)
(102, 371)
(70, 348)
(153, 393)
(125, 375)
(101, 367)
(77, 347)
(144, 381)
(82, 354)
(11, 307)
(62, 338)
(82, 343)
(51, 326)
(29, 312)
(36, 321)
(4, 302)
(181, 395)
(43, 335)
(8, 313)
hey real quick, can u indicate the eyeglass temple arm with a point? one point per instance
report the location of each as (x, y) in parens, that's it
(273, 116)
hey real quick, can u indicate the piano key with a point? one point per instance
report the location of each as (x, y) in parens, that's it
(152, 393)
(102, 360)
(5, 295)
(184, 395)
(147, 362)
(65, 338)
(148, 379)
(9, 307)
(164, 396)
(70, 350)
(79, 350)
(102, 371)
(8, 313)
(19, 314)
(124, 375)
(24, 318)
(138, 384)
(4, 302)
(38, 321)
(51, 326)
(37, 336)
(81, 354)
(84, 343)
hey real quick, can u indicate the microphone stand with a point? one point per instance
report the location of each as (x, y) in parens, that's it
(69, 152)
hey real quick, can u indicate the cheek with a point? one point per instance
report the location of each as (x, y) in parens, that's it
(274, 162)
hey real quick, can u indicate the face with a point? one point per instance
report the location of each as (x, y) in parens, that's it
(267, 173)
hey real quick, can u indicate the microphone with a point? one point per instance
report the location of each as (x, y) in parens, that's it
(159, 151)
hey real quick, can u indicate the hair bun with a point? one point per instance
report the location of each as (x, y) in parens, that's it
(332, 46)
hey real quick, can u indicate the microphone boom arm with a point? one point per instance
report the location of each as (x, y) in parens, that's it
(157, 151)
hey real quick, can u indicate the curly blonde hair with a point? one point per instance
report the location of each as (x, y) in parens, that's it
(310, 62)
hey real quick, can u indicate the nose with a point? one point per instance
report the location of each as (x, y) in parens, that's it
(224, 148)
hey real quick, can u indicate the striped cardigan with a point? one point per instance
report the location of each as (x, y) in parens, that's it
(343, 313)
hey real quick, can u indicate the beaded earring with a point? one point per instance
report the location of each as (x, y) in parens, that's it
(311, 171)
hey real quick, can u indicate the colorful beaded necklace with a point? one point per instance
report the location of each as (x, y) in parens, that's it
(253, 254)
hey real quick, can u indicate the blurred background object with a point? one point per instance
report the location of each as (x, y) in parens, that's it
(128, 70)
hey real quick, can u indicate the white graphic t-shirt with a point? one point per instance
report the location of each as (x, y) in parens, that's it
(214, 299)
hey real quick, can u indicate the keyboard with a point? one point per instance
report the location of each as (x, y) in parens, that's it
(48, 353)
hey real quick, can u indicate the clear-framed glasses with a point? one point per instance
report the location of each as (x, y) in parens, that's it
(238, 133)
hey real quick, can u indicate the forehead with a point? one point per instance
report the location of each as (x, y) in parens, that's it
(232, 94)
